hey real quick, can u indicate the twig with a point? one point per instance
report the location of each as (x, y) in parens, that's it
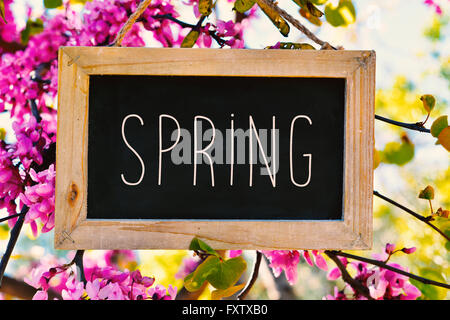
(129, 24)
(383, 265)
(425, 220)
(253, 277)
(78, 260)
(10, 47)
(34, 110)
(412, 126)
(15, 232)
(221, 42)
(297, 24)
(11, 217)
(357, 286)
(22, 290)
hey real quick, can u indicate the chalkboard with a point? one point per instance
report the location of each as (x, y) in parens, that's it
(246, 149)
(220, 99)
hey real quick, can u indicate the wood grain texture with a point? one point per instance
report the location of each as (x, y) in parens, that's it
(74, 231)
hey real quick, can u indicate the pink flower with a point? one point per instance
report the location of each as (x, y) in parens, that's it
(188, 265)
(139, 279)
(381, 283)
(320, 261)
(338, 295)
(73, 292)
(390, 248)
(234, 253)
(40, 295)
(409, 250)
(284, 260)
(160, 293)
(40, 197)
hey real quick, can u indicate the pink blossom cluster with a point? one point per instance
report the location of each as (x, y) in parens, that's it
(382, 284)
(8, 29)
(105, 282)
(103, 20)
(28, 88)
(40, 198)
(231, 32)
(19, 179)
(435, 5)
(287, 261)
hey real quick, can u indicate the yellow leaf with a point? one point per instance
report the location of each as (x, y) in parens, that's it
(205, 7)
(219, 294)
(376, 158)
(438, 125)
(443, 213)
(2, 11)
(276, 19)
(310, 17)
(444, 138)
(292, 45)
(427, 193)
(2, 134)
(190, 39)
(428, 102)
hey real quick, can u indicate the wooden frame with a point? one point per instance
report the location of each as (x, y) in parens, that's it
(74, 231)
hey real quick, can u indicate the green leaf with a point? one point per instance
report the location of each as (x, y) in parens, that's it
(428, 102)
(205, 7)
(228, 273)
(190, 39)
(398, 153)
(309, 7)
(341, 15)
(276, 19)
(292, 45)
(195, 280)
(2, 11)
(438, 125)
(197, 244)
(31, 28)
(427, 193)
(429, 291)
(51, 4)
(219, 273)
(243, 5)
(219, 294)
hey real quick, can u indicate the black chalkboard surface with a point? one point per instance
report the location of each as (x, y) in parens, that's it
(120, 147)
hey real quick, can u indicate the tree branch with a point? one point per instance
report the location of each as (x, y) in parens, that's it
(15, 232)
(253, 277)
(425, 220)
(418, 126)
(221, 42)
(78, 260)
(130, 22)
(10, 47)
(297, 24)
(357, 286)
(383, 265)
(22, 290)
(11, 217)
